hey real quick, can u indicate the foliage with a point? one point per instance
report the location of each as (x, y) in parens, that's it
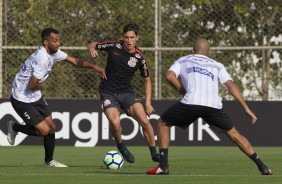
(225, 23)
(231, 23)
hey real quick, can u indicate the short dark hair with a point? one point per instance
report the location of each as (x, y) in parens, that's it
(131, 27)
(46, 33)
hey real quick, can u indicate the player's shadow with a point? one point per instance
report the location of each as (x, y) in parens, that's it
(113, 172)
(104, 170)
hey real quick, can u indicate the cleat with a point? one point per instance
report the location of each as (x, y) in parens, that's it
(127, 155)
(158, 170)
(11, 133)
(265, 171)
(54, 163)
(156, 157)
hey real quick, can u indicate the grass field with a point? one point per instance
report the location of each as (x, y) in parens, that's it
(194, 165)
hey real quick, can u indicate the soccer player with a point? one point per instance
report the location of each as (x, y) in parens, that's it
(26, 97)
(200, 76)
(116, 93)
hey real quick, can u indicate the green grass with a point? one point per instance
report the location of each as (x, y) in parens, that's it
(194, 165)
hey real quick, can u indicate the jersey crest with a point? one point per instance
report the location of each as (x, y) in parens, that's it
(132, 62)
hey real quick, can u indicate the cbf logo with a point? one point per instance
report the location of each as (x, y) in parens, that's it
(7, 109)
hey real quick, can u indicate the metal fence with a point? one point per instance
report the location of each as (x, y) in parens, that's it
(245, 37)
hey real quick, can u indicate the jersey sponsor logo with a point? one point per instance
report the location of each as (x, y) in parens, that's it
(132, 62)
(145, 66)
(116, 53)
(118, 45)
(201, 71)
(105, 45)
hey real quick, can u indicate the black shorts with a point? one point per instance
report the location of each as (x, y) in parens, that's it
(32, 113)
(120, 101)
(182, 115)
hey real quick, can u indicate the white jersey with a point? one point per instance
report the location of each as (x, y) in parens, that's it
(39, 65)
(200, 75)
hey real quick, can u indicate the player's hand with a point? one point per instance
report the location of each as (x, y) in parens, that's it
(149, 110)
(102, 72)
(252, 115)
(91, 49)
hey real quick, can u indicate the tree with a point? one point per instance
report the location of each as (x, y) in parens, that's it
(229, 23)
(77, 22)
(225, 23)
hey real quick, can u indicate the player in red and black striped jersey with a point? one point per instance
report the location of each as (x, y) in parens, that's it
(116, 92)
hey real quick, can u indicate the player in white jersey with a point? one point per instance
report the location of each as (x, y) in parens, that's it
(26, 97)
(200, 76)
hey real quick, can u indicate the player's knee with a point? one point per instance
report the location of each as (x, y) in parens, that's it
(161, 123)
(44, 132)
(115, 125)
(234, 135)
(145, 123)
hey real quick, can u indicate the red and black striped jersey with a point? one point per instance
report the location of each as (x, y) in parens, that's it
(121, 67)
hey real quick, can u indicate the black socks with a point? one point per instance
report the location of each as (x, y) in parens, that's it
(153, 150)
(164, 158)
(257, 160)
(49, 140)
(121, 146)
(49, 145)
